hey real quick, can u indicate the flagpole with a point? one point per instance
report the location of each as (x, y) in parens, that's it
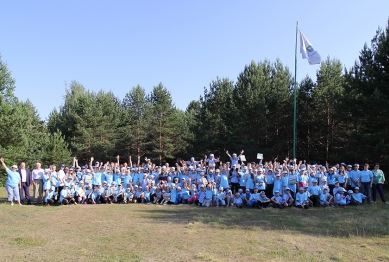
(294, 102)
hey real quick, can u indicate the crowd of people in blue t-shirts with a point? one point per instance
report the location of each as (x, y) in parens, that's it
(206, 183)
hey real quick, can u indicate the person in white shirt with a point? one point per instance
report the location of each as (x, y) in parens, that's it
(37, 182)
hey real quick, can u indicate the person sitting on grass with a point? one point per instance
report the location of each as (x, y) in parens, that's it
(139, 195)
(51, 196)
(173, 194)
(201, 195)
(119, 195)
(302, 199)
(349, 197)
(287, 198)
(107, 195)
(357, 197)
(238, 200)
(65, 197)
(221, 198)
(246, 197)
(80, 193)
(341, 198)
(208, 196)
(184, 194)
(193, 199)
(128, 196)
(158, 196)
(95, 196)
(229, 198)
(263, 200)
(254, 197)
(13, 183)
(277, 200)
(314, 192)
(325, 198)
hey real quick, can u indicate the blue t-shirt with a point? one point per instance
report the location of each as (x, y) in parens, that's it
(359, 197)
(366, 176)
(13, 178)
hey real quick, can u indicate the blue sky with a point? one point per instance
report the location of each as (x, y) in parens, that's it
(115, 45)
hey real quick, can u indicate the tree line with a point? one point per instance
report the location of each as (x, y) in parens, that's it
(342, 116)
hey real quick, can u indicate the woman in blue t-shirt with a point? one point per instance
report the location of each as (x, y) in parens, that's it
(12, 184)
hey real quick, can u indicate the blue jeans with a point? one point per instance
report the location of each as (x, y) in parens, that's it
(13, 191)
(378, 187)
(366, 191)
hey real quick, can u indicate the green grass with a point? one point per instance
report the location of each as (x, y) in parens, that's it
(138, 232)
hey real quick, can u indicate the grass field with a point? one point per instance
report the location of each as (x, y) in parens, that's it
(139, 232)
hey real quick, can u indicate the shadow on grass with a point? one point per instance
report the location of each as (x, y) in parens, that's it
(362, 221)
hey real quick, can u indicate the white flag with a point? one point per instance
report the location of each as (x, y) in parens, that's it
(308, 52)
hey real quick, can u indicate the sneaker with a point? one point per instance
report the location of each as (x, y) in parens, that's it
(12, 203)
(387, 202)
(75, 203)
(164, 204)
(20, 204)
(260, 207)
(374, 202)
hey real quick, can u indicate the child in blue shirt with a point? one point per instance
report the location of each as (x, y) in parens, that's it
(341, 198)
(208, 196)
(302, 199)
(287, 197)
(220, 198)
(51, 196)
(357, 197)
(263, 200)
(238, 201)
(277, 184)
(314, 192)
(277, 200)
(325, 198)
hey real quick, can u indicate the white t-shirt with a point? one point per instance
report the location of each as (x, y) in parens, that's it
(37, 173)
(61, 177)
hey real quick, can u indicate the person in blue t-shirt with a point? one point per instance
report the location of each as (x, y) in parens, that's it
(13, 183)
(51, 196)
(208, 196)
(314, 193)
(341, 200)
(357, 197)
(238, 201)
(302, 199)
(263, 200)
(325, 198)
(287, 197)
(277, 200)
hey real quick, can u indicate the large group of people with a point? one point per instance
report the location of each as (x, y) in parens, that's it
(206, 183)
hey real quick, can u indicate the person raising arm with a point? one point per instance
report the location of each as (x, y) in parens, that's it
(13, 183)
